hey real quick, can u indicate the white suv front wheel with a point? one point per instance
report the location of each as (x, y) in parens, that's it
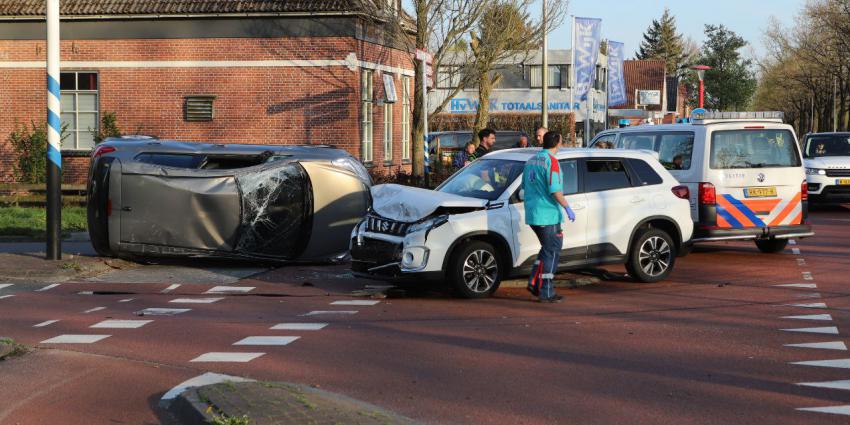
(651, 256)
(475, 270)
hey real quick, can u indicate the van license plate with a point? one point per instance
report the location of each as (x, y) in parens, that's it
(842, 181)
(759, 192)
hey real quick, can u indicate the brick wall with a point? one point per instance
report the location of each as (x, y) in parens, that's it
(265, 105)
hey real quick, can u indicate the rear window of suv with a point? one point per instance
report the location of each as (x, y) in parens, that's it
(764, 148)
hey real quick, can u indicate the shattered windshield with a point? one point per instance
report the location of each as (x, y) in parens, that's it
(832, 145)
(483, 179)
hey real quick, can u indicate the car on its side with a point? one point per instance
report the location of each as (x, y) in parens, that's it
(471, 230)
(744, 171)
(827, 160)
(159, 198)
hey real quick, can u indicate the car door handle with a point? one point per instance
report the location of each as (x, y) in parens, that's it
(128, 209)
(638, 199)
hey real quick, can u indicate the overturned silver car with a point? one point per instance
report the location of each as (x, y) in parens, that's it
(157, 198)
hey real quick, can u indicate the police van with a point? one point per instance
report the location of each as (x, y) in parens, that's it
(744, 171)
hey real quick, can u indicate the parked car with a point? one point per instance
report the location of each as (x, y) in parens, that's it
(629, 209)
(452, 142)
(149, 197)
(827, 160)
(744, 171)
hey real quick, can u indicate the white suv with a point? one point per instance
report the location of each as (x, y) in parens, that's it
(471, 230)
(827, 159)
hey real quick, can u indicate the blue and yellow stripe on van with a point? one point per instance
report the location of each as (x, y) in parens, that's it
(733, 213)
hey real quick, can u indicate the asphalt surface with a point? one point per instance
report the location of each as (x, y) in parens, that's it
(705, 347)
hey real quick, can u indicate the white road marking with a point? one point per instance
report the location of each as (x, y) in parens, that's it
(830, 330)
(808, 305)
(792, 241)
(227, 357)
(795, 251)
(798, 285)
(326, 312)
(835, 345)
(839, 363)
(126, 300)
(85, 293)
(836, 410)
(75, 339)
(92, 310)
(121, 324)
(170, 288)
(6, 296)
(808, 276)
(266, 340)
(5, 285)
(195, 300)
(801, 262)
(809, 317)
(208, 378)
(230, 289)
(809, 295)
(355, 302)
(298, 326)
(47, 288)
(161, 311)
(46, 323)
(835, 385)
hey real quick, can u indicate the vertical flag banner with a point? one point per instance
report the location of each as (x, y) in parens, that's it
(588, 35)
(616, 81)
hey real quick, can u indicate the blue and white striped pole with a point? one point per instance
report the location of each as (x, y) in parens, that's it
(54, 130)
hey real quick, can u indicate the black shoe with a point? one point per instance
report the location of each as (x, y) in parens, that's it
(533, 289)
(554, 299)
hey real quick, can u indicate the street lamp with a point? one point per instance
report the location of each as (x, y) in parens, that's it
(700, 69)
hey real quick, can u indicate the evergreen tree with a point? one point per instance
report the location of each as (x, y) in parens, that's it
(730, 84)
(661, 41)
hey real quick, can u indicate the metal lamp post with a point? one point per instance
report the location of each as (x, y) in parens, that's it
(700, 69)
(54, 130)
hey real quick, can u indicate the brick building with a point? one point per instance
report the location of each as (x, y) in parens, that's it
(228, 71)
(651, 94)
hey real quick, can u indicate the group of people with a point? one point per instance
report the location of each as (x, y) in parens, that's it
(487, 139)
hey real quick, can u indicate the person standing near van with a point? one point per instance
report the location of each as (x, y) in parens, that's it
(545, 205)
(538, 136)
(487, 137)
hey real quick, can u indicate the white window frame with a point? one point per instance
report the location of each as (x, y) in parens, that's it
(76, 127)
(405, 118)
(388, 132)
(367, 100)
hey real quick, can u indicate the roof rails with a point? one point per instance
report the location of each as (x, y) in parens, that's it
(708, 117)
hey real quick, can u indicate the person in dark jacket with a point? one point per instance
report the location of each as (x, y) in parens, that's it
(487, 136)
(464, 157)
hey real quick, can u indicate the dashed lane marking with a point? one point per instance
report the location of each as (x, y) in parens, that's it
(835, 385)
(195, 300)
(830, 330)
(355, 302)
(808, 305)
(45, 323)
(92, 310)
(801, 262)
(298, 326)
(809, 295)
(6, 296)
(834, 345)
(229, 289)
(121, 324)
(170, 288)
(329, 312)
(208, 378)
(809, 317)
(266, 340)
(795, 251)
(126, 300)
(808, 276)
(836, 410)
(798, 285)
(155, 311)
(5, 285)
(47, 288)
(837, 363)
(75, 339)
(792, 241)
(227, 357)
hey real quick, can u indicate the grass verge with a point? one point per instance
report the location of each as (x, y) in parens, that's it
(32, 222)
(9, 348)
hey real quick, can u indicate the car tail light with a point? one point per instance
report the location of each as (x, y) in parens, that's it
(100, 150)
(804, 191)
(707, 194)
(682, 192)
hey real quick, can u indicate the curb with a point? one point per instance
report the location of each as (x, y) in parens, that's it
(559, 283)
(188, 409)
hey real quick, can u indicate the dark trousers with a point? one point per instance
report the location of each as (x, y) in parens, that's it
(543, 272)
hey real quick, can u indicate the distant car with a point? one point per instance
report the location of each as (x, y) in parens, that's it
(471, 230)
(452, 142)
(827, 160)
(157, 198)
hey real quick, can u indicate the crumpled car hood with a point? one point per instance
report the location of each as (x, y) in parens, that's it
(409, 204)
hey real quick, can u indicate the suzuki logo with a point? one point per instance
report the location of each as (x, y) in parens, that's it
(385, 226)
(760, 177)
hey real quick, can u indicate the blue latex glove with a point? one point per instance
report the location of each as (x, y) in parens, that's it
(570, 214)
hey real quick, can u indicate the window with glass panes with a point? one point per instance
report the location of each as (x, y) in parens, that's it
(405, 117)
(535, 76)
(366, 100)
(80, 112)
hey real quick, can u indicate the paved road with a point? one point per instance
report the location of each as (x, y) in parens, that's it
(713, 345)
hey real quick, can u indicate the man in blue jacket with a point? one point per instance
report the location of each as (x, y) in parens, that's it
(545, 205)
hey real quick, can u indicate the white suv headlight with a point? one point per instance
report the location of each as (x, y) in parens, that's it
(815, 171)
(428, 224)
